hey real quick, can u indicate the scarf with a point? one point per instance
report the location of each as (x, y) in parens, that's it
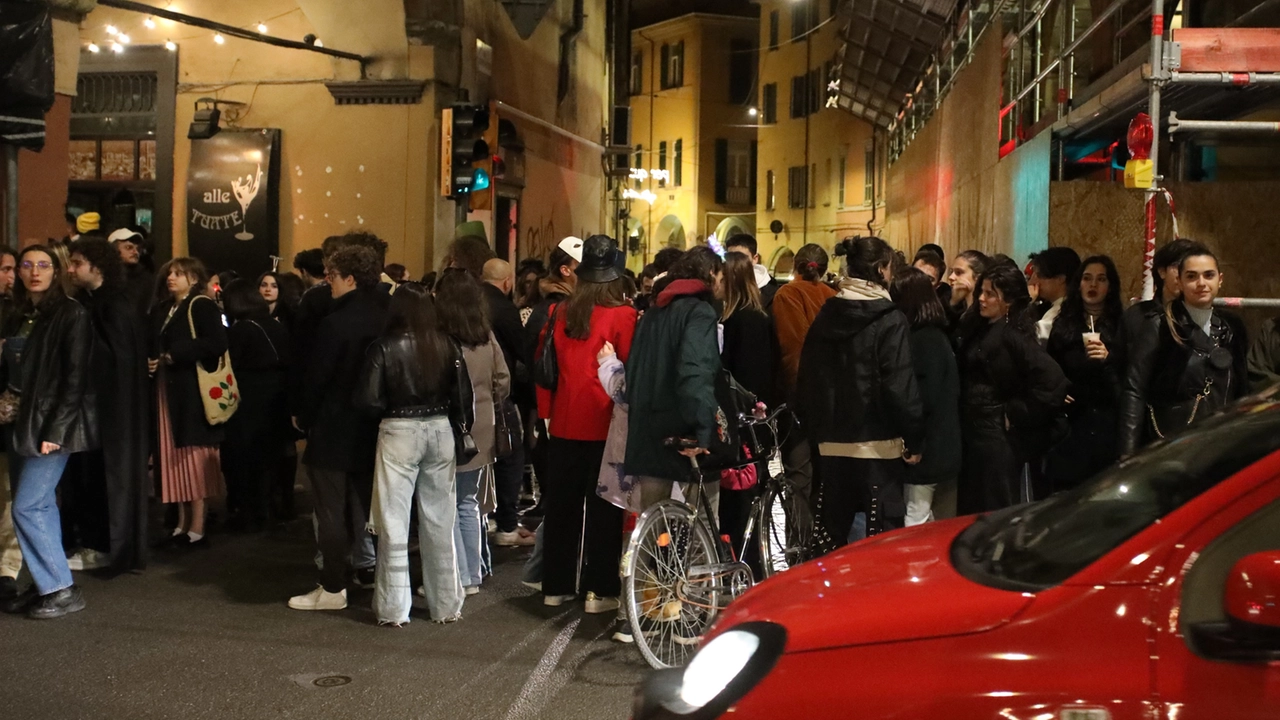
(859, 289)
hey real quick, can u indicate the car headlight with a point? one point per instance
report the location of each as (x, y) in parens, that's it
(720, 674)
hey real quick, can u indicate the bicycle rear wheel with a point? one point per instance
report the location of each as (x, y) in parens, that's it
(781, 529)
(666, 622)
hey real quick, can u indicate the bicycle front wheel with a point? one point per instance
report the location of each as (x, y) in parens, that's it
(783, 529)
(667, 614)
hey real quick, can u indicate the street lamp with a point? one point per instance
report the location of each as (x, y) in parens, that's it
(752, 112)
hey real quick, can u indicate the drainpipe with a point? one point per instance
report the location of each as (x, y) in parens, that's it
(567, 39)
(1159, 74)
(810, 177)
(11, 197)
(653, 99)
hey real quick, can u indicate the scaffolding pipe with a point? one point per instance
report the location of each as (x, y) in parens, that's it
(1070, 49)
(1239, 79)
(1247, 303)
(1234, 126)
(1159, 74)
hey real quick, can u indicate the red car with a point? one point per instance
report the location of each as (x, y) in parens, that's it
(1151, 593)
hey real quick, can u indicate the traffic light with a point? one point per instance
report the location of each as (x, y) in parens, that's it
(463, 150)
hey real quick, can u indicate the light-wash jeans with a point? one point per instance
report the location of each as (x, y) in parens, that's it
(919, 504)
(416, 460)
(469, 530)
(37, 521)
(533, 566)
(10, 553)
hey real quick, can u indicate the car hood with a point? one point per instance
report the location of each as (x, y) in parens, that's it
(894, 587)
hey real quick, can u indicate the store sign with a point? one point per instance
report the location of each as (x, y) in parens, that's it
(233, 206)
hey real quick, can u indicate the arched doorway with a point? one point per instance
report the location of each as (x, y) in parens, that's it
(730, 226)
(782, 264)
(670, 232)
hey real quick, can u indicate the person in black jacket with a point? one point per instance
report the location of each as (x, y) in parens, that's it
(1195, 365)
(186, 329)
(414, 381)
(963, 276)
(261, 354)
(856, 394)
(746, 245)
(748, 337)
(931, 484)
(107, 489)
(1087, 342)
(47, 364)
(341, 442)
(1010, 391)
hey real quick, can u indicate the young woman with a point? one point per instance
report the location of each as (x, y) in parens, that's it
(413, 380)
(1196, 364)
(580, 411)
(464, 315)
(748, 337)
(963, 278)
(858, 399)
(931, 483)
(1087, 342)
(47, 365)
(187, 328)
(1010, 391)
(261, 354)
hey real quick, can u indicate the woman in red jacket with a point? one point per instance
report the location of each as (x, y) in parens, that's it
(580, 412)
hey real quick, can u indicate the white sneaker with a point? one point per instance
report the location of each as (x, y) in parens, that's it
(491, 525)
(472, 590)
(319, 599)
(598, 605)
(532, 585)
(624, 636)
(557, 600)
(516, 538)
(87, 559)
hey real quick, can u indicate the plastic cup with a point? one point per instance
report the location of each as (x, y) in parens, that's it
(1091, 337)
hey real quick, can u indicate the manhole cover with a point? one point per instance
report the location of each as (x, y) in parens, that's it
(331, 681)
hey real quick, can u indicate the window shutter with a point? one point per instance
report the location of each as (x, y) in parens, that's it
(752, 182)
(722, 171)
(666, 66)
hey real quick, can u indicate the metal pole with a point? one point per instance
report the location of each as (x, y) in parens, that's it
(1177, 125)
(1158, 76)
(11, 197)
(1240, 79)
(1246, 303)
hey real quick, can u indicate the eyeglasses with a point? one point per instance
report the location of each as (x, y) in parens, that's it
(41, 265)
(332, 274)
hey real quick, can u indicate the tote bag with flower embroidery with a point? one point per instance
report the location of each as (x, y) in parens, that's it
(218, 389)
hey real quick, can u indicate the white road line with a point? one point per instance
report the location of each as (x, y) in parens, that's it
(534, 693)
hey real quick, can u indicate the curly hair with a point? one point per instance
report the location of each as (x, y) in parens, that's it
(358, 238)
(103, 256)
(358, 261)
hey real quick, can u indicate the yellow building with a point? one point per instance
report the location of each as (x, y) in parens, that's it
(355, 152)
(692, 108)
(816, 164)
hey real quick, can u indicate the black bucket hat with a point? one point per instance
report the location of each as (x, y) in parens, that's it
(599, 260)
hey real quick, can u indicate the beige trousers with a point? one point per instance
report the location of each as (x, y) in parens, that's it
(10, 554)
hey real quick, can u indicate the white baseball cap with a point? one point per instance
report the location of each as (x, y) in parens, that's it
(124, 234)
(573, 246)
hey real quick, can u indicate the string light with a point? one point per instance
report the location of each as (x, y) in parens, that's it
(262, 28)
(111, 30)
(123, 39)
(117, 47)
(151, 24)
(753, 112)
(318, 43)
(93, 48)
(170, 45)
(217, 37)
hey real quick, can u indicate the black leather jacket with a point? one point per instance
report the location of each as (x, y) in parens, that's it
(1164, 376)
(58, 403)
(391, 384)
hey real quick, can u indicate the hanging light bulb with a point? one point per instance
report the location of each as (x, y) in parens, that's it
(123, 39)
(117, 47)
(111, 30)
(262, 28)
(318, 43)
(170, 45)
(93, 48)
(217, 37)
(151, 24)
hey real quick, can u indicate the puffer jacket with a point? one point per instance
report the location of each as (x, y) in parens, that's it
(671, 377)
(58, 403)
(392, 384)
(856, 383)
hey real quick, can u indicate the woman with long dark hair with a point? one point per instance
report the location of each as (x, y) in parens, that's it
(580, 411)
(464, 315)
(261, 353)
(47, 349)
(186, 329)
(963, 279)
(414, 380)
(857, 396)
(1010, 391)
(931, 483)
(1087, 342)
(1196, 364)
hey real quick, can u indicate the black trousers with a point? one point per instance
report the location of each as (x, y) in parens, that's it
(578, 522)
(341, 505)
(853, 485)
(508, 475)
(85, 517)
(991, 472)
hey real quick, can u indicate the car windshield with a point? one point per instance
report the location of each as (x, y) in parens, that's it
(1042, 544)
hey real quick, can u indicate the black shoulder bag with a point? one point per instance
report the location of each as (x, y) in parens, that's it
(464, 446)
(546, 370)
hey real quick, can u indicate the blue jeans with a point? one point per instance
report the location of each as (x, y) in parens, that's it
(469, 531)
(37, 522)
(416, 462)
(533, 566)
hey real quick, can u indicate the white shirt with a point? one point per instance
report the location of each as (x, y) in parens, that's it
(1045, 325)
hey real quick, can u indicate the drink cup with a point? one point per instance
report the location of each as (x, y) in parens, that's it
(1091, 337)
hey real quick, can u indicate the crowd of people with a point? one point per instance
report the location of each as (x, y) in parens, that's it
(920, 389)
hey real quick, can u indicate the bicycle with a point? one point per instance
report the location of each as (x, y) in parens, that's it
(679, 571)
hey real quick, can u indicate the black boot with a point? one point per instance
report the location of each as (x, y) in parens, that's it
(8, 588)
(57, 604)
(21, 602)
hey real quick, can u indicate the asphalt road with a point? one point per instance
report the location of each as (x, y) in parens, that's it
(206, 634)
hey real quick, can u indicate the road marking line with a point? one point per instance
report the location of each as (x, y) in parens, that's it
(525, 705)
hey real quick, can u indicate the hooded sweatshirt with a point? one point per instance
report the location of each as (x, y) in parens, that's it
(856, 392)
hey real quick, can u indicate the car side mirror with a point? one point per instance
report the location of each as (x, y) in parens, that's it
(1251, 599)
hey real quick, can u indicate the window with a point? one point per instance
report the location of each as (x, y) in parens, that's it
(637, 73)
(742, 70)
(835, 7)
(797, 186)
(826, 185)
(869, 176)
(815, 91)
(842, 168)
(662, 161)
(768, 191)
(677, 173)
(735, 172)
(672, 65)
(804, 17)
(639, 163)
(799, 96)
(770, 101)
(774, 22)
(813, 185)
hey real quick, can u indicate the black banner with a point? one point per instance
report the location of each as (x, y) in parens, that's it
(233, 201)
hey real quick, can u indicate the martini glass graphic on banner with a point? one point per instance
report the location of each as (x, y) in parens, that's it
(246, 189)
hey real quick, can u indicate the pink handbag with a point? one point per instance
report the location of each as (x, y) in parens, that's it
(743, 478)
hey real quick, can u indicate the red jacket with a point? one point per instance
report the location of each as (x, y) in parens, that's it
(579, 409)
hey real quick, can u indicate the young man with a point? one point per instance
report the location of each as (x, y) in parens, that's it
(139, 283)
(310, 267)
(747, 245)
(342, 442)
(1051, 271)
(10, 553)
(104, 492)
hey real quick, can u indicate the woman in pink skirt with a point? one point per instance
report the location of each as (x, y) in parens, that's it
(186, 328)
